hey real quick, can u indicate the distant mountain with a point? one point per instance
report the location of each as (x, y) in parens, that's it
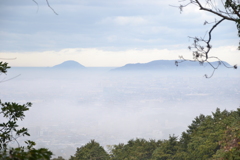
(69, 65)
(162, 64)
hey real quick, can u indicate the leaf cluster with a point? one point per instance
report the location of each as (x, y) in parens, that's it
(9, 130)
(3, 67)
(138, 149)
(26, 153)
(90, 151)
(234, 7)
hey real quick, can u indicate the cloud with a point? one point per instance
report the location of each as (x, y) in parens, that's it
(123, 20)
(93, 57)
(102, 30)
(130, 20)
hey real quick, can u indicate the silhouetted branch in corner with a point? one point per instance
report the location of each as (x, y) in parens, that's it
(201, 47)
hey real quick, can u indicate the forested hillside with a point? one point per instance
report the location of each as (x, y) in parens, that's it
(215, 136)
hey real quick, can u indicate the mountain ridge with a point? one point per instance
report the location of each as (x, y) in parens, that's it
(163, 64)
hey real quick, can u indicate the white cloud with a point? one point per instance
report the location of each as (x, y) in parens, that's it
(130, 20)
(93, 57)
(227, 53)
(125, 20)
(148, 25)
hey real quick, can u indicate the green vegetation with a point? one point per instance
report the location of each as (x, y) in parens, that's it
(135, 149)
(58, 158)
(11, 113)
(212, 137)
(90, 151)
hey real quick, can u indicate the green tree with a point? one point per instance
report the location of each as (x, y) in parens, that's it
(138, 149)
(58, 158)
(90, 151)
(230, 141)
(11, 113)
(211, 137)
(167, 150)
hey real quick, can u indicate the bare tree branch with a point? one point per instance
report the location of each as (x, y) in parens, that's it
(200, 51)
(210, 36)
(36, 4)
(48, 6)
(51, 7)
(5, 80)
(214, 12)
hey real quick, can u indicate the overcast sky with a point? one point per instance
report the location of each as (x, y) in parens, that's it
(106, 32)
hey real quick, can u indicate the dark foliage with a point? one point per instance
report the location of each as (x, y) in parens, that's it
(215, 137)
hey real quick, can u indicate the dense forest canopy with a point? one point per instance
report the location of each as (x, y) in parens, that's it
(215, 136)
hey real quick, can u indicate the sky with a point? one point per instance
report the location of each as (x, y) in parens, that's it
(106, 33)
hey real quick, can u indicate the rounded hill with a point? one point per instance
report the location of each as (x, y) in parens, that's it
(69, 65)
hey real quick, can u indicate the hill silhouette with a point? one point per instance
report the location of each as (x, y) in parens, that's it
(163, 64)
(69, 65)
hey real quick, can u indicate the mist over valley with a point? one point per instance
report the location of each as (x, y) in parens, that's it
(72, 106)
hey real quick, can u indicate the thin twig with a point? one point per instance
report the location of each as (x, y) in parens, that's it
(37, 5)
(9, 79)
(51, 7)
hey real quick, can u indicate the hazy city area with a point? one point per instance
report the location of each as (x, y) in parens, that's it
(71, 107)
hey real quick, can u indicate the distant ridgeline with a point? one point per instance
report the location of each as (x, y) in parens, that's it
(165, 65)
(69, 65)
